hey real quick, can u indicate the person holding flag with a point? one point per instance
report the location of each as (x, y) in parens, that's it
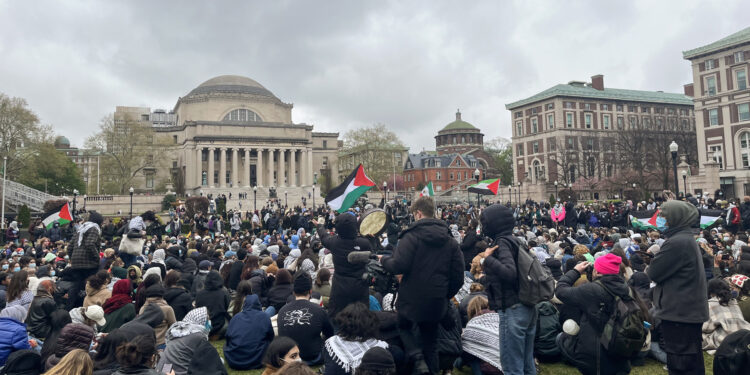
(427, 191)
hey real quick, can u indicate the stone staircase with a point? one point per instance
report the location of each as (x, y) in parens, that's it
(293, 196)
(17, 195)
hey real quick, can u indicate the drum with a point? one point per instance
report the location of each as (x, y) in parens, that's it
(373, 222)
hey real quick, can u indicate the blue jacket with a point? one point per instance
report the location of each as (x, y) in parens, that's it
(13, 337)
(248, 336)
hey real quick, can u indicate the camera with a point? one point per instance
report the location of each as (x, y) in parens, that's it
(379, 279)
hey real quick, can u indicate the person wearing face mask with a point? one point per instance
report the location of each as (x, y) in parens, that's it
(280, 352)
(679, 297)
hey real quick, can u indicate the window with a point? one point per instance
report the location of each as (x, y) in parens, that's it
(633, 122)
(519, 128)
(569, 120)
(451, 175)
(438, 175)
(551, 144)
(538, 170)
(659, 124)
(174, 138)
(144, 117)
(590, 144)
(710, 64)
(534, 126)
(150, 181)
(716, 154)
(569, 105)
(646, 109)
(551, 121)
(631, 108)
(620, 123)
(535, 147)
(325, 162)
(745, 149)
(243, 115)
(325, 144)
(670, 111)
(550, 106)
(741, 76)
(590, 167)
(587, 118)
(519, 114)
(610, 168)
(519, 150)
(713, 116)
(571, 143)
(438, 163)
(619, 108)
(454, 139)
(711, 85)
(739, 57)
(744, 111)
(458, 162)
(587, 106)
(605, 107)
(605, 122)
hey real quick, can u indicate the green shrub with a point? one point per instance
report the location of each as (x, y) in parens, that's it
(166, 203)
(24, 216)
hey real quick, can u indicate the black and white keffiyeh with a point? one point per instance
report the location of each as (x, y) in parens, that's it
(348, 354)
(481, 338)
(193, 322)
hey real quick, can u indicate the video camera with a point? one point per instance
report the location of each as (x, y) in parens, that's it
(377, 277)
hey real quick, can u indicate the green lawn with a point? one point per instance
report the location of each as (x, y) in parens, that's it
(651, 367)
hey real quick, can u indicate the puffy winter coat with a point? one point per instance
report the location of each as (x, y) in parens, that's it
(248, 336)
(12, 337)
(73, 336)
(216, 299)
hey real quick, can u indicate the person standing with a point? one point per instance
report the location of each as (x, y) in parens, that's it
(517, 321)
(432, 266)
(84, 257)
(680, 296)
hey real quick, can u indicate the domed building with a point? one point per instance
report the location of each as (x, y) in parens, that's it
(458, 137)
(231, 134)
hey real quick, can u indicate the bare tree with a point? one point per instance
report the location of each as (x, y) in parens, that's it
(375, 147)
(19, 131)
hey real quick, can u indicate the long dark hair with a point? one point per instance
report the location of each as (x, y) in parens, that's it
(277, 350)
(58, 319)
(283, 277)
(18, 283)
(244, 289)
(721, 290)
(137, 352)
(323, 276)
(106, 353)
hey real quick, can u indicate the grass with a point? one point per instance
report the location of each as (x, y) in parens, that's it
(651, 367)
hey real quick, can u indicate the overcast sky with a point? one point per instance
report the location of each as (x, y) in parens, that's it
(346, 64)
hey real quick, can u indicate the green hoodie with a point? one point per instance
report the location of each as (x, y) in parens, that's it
(679, 215)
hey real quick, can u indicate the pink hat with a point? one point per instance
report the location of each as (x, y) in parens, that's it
(608, 264)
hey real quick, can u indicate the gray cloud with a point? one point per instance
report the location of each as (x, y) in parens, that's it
(342, 63)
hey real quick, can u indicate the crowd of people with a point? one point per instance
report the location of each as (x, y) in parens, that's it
(496, 289)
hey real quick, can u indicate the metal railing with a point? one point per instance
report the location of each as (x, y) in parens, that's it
(18, 194)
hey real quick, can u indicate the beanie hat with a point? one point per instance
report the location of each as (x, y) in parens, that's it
(204, 265)
(739, 280)
(608, 264)
(377, 358)
(302, 283)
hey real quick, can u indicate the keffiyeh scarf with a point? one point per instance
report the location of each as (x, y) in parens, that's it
(481, 338)
(348, 354)
(194, 322)
(85, 227)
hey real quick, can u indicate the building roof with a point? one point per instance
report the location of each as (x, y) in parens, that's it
(231, 84)
(422, 160)
(458, 124)
(62, 142)
(742, 36)
(581, 90)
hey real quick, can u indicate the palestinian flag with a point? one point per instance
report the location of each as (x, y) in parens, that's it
(486, 187)
(643, 220)
(343, 196)
(59, 215)
(709, 218)
(427, 191)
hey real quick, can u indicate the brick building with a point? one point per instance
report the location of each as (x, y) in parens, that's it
(445, 171)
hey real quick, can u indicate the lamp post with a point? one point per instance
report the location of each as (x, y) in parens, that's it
(476, 177)
(673, 149)
(75, 198)
(510, 195)
(519, 192)
(286, 201)
(684, 183)
(84, 202)
(255, 198)
(556, 192)
(385, 190)
(131, 201)
(570, 188)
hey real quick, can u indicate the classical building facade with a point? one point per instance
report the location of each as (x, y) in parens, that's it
(568, 133)
(722, 111)
(231, 134)
(87, 162)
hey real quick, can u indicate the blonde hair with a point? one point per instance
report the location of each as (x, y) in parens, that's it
(476, 305)
(76, 362)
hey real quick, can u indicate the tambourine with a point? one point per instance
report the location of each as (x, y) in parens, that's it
(373, 222)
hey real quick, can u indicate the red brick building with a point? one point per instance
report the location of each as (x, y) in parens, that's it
(445, 171)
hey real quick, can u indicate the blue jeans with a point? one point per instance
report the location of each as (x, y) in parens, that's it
(517, 330)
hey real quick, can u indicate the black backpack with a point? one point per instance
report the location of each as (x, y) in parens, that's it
(624, 334)
(733, 355)
(23, 362)
(535, 283)
(547, 328)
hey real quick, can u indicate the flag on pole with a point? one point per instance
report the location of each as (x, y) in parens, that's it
(486, 187)
(644, 219)
(59, 215)
(343, 196)
(427, 191)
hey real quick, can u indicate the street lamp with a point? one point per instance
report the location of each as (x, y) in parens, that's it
(131, 202)
(519, 192)
(510, 194)
(476, 176)
(75, 198)
(673, 149)
(684, 183)
(556, 191)
(255, 198)
(84, 203)
(286, 201)
(385, 190)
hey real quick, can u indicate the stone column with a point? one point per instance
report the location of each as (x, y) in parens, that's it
(235, 170)
(282, 167)
(223, 168)
(211, 182)
(199, 165)
(310, 166)
(246, 167)
(260, 169)
(292, 167)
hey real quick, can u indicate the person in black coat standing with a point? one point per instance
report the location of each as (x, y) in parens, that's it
(468, 245)
(348, 286)
(433, 271)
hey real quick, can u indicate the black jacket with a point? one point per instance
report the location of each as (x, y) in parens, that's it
(501, 275)
(278, 295)
(469, 248)
(216, 300)
(180, 301)
(596, 305)
(432, 267)
(348, 286)
(677, 269)
(235, 274)
(38, 319)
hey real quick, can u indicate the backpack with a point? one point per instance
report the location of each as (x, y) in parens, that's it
(535, 283)
(624, 333)
(733, 355)
(547, 328)
(23, 362)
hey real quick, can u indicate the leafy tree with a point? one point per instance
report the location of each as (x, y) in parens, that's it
(19, 130)
(24, 216)
(502, 154)
(166, 202)
(193, 205)
(49, 169)
(375, 147)
(128, 148)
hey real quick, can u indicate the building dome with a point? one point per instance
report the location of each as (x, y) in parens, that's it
(458, 124)
(231, 84)
(62, 142)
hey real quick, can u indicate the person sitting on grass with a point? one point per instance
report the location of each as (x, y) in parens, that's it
(281, 351)
(248, 336)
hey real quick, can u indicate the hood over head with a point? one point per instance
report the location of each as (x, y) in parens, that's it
(213, 281)
(16, 312)
(346, 226)
(151, 315)
(251, 303)
(497, 220)
(680, 215)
